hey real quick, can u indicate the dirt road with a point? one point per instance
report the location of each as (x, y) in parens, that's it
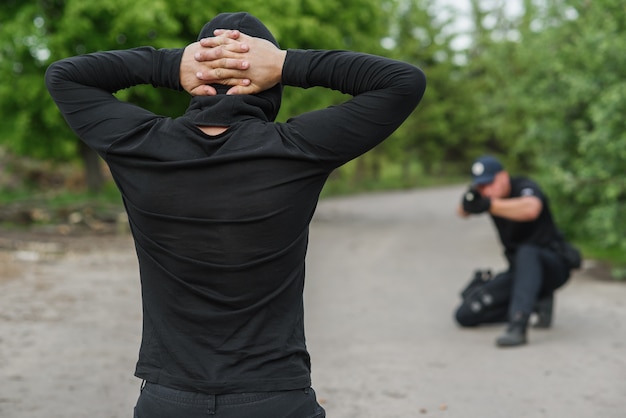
(384, 272)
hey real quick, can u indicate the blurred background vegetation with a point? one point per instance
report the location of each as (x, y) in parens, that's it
(541, 85)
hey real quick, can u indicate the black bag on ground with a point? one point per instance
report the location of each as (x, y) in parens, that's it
(480, 278)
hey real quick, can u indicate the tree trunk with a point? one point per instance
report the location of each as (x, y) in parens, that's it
(93, 170)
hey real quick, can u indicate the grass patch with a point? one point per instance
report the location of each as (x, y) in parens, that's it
(387, 176)
(615, 257)
(29, 207)
(63, 198)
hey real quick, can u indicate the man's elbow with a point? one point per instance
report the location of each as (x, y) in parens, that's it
(52, 75)
(419, 87)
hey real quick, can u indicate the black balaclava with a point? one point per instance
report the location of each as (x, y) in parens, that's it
(224, 110)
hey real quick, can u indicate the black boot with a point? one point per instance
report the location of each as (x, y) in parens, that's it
(515, 333)
(544, 308)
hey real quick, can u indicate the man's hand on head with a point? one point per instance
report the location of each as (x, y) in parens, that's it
(263, 59)
(216, 60)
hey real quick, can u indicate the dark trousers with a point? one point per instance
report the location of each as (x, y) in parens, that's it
(534, 273)
(156, 401)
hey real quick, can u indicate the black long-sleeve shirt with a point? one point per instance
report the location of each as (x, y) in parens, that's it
(220, 223)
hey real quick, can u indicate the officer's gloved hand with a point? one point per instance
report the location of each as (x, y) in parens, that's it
(474, 202)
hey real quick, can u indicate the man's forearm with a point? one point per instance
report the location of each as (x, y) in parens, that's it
(522, 209)
(116, 70)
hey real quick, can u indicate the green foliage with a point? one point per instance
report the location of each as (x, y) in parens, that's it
(34, 33)
(550, 97)
(575, 104)
(545, 90)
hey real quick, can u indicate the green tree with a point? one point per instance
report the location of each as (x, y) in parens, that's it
(34, 33)
(497, 60)
(551, 90)
(579, 131)
(433, 135)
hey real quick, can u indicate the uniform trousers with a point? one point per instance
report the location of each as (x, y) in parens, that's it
(534, 273)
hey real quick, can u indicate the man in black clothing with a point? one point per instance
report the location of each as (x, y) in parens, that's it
(533, 247)
(219, 202)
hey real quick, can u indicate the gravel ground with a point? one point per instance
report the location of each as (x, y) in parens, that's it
(384, 273)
